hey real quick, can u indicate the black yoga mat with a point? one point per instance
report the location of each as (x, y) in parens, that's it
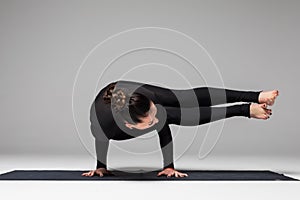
(196, 175)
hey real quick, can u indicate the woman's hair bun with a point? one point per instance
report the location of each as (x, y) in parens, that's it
(117, 97)
(108, 93)
(118, 100)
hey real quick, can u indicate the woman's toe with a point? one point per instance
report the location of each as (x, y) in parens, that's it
(264, 105)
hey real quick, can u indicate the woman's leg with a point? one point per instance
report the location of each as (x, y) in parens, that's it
(210, 96)
(201, 115)
(201, 96)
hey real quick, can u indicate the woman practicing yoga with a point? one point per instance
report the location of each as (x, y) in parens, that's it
(127, 109)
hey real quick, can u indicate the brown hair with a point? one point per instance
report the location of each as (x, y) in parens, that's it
(138, 105)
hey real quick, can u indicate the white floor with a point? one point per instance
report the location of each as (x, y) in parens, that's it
(289, 166)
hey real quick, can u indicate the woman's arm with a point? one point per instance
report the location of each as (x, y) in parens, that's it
(166, 144)
(101, 151)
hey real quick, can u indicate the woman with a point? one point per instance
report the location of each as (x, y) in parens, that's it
(127, 109)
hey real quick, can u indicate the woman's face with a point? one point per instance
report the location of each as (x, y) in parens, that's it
(148, 121)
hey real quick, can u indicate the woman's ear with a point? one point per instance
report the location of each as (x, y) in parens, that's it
(128, 125)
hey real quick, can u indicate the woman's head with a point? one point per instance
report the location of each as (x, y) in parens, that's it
(137, 110)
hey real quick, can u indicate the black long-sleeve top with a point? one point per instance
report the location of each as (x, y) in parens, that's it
(105, 125)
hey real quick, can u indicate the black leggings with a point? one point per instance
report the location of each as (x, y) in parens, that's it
(189, 107)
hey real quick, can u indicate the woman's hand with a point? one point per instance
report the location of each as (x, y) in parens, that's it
(99, 171)
(170, 171)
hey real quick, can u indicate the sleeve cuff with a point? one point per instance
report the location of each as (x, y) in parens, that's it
(100, 165)
(171, 165)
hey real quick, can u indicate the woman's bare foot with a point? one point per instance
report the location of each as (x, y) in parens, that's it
(260, 111)
(268, 97)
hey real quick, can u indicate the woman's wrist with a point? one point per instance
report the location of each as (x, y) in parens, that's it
(168, 168)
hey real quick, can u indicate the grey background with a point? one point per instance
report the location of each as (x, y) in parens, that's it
(255, 45)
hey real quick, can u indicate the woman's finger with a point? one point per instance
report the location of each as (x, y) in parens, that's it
(99, 173)
(83, 174)
(160, 173)
(169, 174)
